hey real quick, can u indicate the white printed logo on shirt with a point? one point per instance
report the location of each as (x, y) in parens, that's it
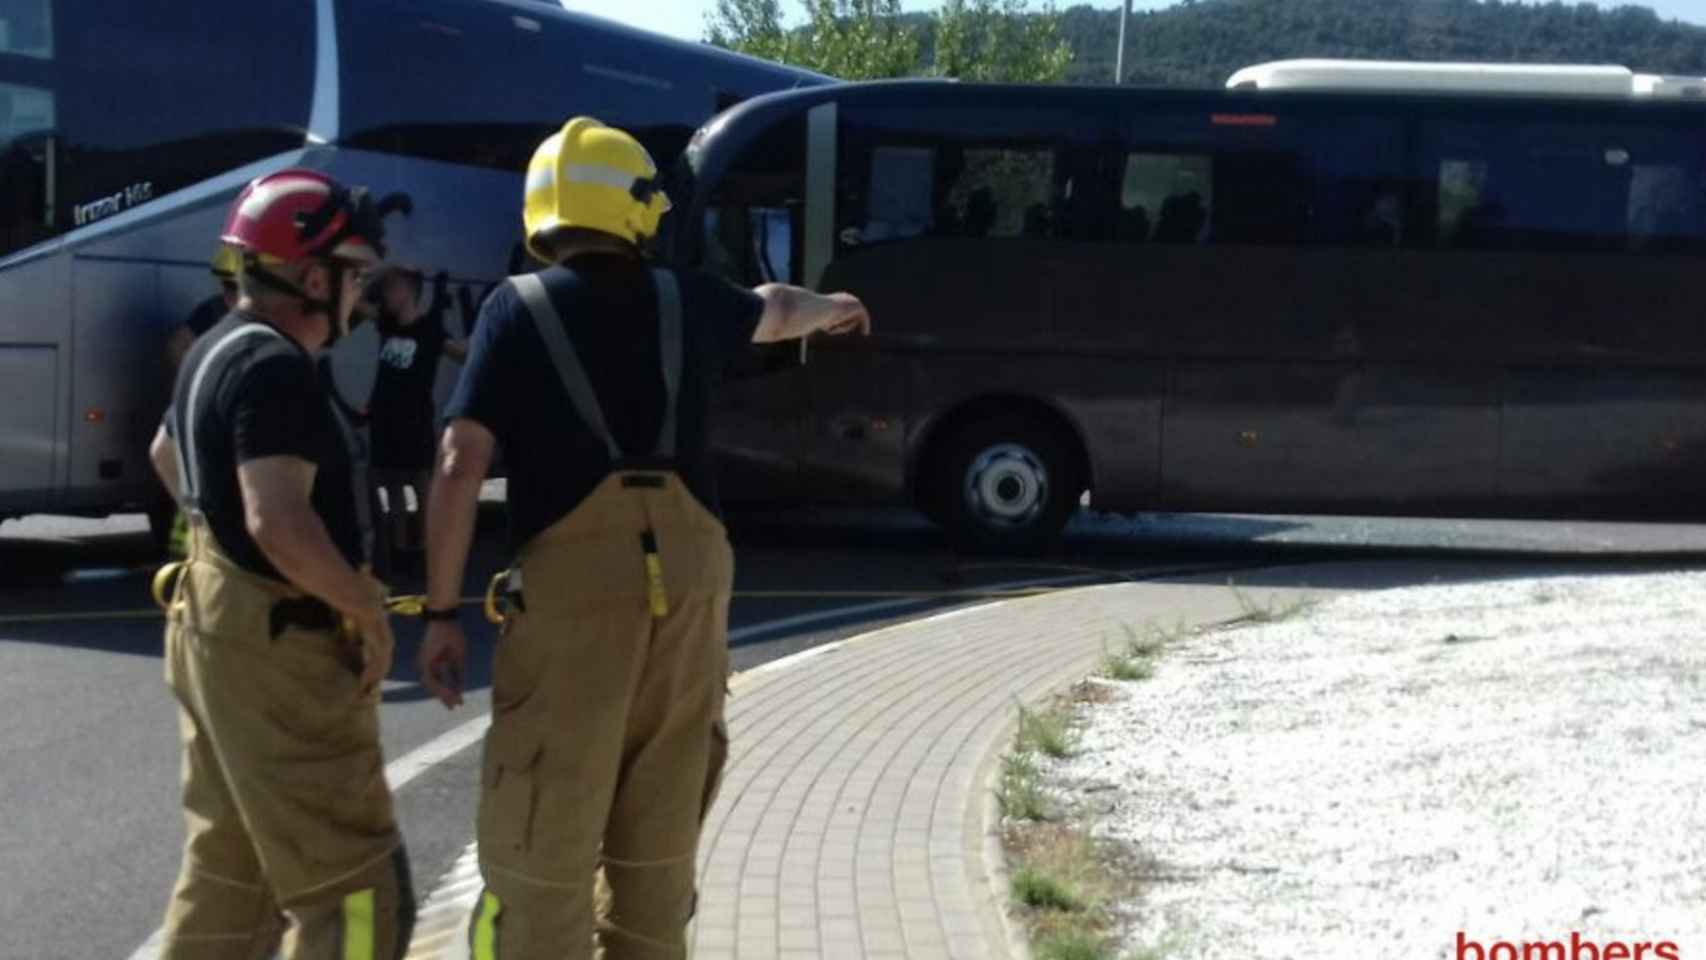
(399, 352)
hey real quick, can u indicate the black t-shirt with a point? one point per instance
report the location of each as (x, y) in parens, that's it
(206, 314)
(262, 396)
(609, 308)
(408, 367)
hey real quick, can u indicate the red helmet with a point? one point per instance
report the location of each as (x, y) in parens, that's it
(296, 214)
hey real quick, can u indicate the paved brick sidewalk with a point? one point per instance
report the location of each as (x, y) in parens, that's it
(852, 820)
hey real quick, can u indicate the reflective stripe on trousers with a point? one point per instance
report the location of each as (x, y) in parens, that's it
(286, 808)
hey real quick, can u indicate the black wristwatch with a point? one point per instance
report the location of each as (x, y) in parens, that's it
(441, 616)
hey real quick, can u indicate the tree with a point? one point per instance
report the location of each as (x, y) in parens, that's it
(990, 40)
(850, 39)
(999, 40)
(752, 27)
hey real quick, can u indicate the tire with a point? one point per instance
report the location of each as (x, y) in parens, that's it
(1006, 484)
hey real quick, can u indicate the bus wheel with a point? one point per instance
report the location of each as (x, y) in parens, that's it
(1006, 484)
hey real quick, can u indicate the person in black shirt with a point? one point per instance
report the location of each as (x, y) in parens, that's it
(596, 377)
(223, 266)
(276, 641)
(401, 410)
(164, 518)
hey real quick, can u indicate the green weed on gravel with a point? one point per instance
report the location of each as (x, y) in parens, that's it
(1048, 732)
(1020, 792)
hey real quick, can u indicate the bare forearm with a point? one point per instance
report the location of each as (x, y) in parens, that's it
(165, 459)
(452, 507)
(298, 545)
(794, 312)
(784, 314)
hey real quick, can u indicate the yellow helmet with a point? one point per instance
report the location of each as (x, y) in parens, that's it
(592, 177)
(226, 262)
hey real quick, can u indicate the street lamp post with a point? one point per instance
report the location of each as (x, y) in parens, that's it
(1119, 58)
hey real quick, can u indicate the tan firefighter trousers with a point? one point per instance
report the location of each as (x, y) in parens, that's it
(290, 827)
(607, 699)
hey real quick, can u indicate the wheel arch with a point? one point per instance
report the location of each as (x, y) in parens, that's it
(936, 431)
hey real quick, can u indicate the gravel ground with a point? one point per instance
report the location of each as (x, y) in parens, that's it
(1515, 761)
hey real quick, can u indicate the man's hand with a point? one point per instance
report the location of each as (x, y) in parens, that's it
(377, 647)
(850, 315)
(794, 312)
(444, 654)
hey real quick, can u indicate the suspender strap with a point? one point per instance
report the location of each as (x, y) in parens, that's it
(563, 356)
(670, 342)
(572, 373)
(187, 410)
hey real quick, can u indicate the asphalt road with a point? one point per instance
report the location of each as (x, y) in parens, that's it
(90, 832)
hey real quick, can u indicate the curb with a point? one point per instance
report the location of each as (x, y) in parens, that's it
(998, 921)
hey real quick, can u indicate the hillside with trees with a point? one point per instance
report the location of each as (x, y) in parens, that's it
(1196, 43)
(1204, 42)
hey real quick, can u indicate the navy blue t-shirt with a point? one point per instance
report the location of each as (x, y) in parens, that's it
(609, 310)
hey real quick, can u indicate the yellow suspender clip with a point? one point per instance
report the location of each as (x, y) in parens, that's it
(165, 583)
(655, 593)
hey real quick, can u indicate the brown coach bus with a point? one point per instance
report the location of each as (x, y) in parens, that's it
(1334, 287)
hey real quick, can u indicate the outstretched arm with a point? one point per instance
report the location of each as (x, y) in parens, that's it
(794, 312)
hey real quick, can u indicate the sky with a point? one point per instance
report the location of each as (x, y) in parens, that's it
(686, 18)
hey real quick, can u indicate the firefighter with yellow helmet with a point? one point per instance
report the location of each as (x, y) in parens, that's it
(595, 376)
(224, 265)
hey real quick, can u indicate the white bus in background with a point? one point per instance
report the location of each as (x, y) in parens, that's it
(127, 126)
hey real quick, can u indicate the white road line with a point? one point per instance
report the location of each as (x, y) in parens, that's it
(435, 751)
(441, 927)
(398, 773)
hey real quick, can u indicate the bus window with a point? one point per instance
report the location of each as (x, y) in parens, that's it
(980, 192)
(189, 98)
(26, 166)
(1165, 198)
(407, 90)
(1535, 184)
(1004, 193)
(899, 203)
(26, 28)
(1665, 207)
(1462, 185)
(751, 226)
(1276, 179)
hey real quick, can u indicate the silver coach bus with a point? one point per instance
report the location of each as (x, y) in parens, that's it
(127, 126)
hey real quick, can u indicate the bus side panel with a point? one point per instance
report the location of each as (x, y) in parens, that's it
(28, 434)
(1605, 410)
(1605, 442)
(32, 384)
(121, 382)
(1305, 380)
(1018, 318)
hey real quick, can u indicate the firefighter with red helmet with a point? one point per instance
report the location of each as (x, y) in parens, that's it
(277, 639)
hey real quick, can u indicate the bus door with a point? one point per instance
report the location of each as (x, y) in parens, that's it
(753, 232)
(961, 225)
(32, 329)
(1274, 264)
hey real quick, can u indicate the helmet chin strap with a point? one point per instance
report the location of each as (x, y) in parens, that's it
(336, 328)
